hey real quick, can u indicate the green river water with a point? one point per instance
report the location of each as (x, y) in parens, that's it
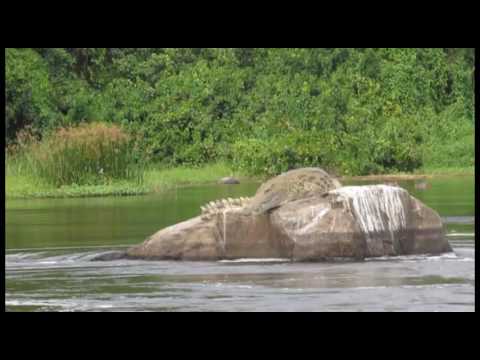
(49, 243)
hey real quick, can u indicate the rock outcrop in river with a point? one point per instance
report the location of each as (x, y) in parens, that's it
(304, 215)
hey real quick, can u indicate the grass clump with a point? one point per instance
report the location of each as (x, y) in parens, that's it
(88, 154)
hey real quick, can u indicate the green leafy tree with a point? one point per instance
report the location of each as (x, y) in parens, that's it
(354, 110)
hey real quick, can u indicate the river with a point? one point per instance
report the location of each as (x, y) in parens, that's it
(49, 244)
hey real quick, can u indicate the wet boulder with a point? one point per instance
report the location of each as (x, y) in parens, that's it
(228, 235)
(316, 220)
(192, 239)
(429, 235)
(319, 230)
(229, 180)
(359, 222)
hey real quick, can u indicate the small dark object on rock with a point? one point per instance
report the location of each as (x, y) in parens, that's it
(229, 180)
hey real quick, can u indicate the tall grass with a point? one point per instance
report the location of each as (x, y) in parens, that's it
(88, 154)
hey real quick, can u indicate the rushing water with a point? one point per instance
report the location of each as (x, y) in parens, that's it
(49, 244)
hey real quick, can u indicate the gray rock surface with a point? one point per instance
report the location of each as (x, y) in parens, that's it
(307, 217)
(229, 180)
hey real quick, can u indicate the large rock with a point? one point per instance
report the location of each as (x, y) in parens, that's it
(319, 230)
(318, 220)
(429, 234)
(229, 235)
(189, 240)
(361, 221)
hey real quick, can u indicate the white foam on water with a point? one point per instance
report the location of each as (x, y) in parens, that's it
(450, 255)
(466, 259)
(461, 234)
(254, 260)
(47, 303)
(106, 306)
(417, 257)
(371, 204)
(68, 248)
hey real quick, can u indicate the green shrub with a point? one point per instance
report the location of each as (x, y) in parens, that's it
(449, 138)
(28, 92)
(452, 152)
(356, 110)
(282, 153)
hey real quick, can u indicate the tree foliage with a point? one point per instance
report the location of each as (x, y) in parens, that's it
(266, 110)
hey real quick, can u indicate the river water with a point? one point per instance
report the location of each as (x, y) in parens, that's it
(49, 244)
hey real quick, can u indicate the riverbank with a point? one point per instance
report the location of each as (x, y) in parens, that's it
(20, 186)
(418, 174)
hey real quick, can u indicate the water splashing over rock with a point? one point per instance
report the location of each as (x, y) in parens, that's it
(379, 210)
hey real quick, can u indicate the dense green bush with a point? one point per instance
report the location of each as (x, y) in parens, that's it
(449, 139)
(355, 110)
(278, 154)
(28, 92)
